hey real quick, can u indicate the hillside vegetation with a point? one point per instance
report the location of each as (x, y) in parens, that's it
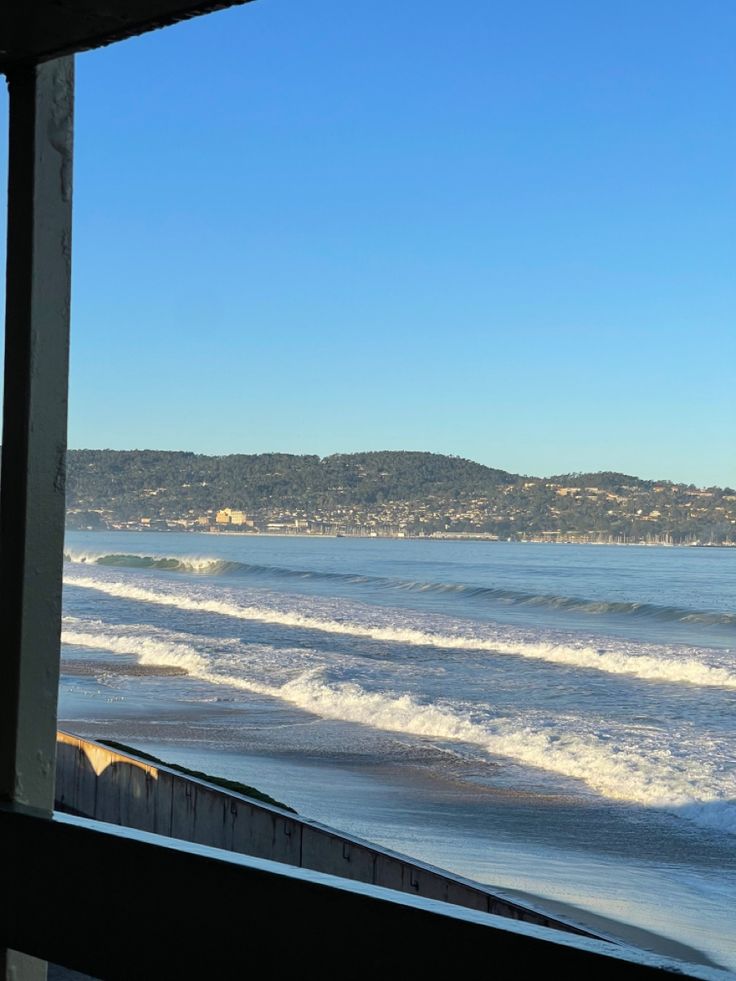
(388, 493)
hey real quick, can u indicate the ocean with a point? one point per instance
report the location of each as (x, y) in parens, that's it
(555, 720)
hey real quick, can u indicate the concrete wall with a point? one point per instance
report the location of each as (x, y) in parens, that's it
(97, 782)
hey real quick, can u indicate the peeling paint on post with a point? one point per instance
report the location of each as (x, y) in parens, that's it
(34, 425)
(34, 438)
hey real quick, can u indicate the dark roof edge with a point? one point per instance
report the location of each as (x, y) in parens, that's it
(111, 33)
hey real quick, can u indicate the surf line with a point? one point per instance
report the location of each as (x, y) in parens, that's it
(644, 666)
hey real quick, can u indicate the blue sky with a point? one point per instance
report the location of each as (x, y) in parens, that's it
(503, 231)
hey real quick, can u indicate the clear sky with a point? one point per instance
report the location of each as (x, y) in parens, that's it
(499, 230)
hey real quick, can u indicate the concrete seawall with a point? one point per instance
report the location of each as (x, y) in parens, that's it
(95, 781)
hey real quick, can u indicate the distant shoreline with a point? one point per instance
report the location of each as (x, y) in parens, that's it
(399, 538)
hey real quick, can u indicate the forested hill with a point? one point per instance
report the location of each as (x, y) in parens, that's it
(183, 480)
(387, 493)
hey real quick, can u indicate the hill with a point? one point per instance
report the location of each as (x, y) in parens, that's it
(183, 480)
(389, 492)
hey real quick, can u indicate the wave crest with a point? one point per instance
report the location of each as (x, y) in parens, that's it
(572, 604)
(647, 775)
(203, 566)
(688, 670)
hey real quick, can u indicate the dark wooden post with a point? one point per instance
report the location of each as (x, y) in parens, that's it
(34, 436)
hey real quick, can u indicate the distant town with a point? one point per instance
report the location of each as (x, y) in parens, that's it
(385, 494)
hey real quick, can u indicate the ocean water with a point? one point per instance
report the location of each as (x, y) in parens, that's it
(554, 719)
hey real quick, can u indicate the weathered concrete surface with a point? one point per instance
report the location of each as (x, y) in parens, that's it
(98, 782)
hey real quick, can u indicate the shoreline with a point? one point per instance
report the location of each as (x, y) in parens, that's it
(627, 933)
(397, 538)
(304, 783)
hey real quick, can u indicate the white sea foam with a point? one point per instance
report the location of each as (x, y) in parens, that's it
(616, 765)
(202, 657)
(612, 769)
(661, 667)
(148, 650)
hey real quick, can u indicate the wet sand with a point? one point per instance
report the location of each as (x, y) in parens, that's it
(122, 667)
(625, 932)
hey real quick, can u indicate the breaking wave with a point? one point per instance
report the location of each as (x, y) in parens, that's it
(148, 650)
(649, 667)
(637, 770)
(573, 604)
(128, 560)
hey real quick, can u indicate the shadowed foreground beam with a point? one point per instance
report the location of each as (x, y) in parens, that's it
(88, 895)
